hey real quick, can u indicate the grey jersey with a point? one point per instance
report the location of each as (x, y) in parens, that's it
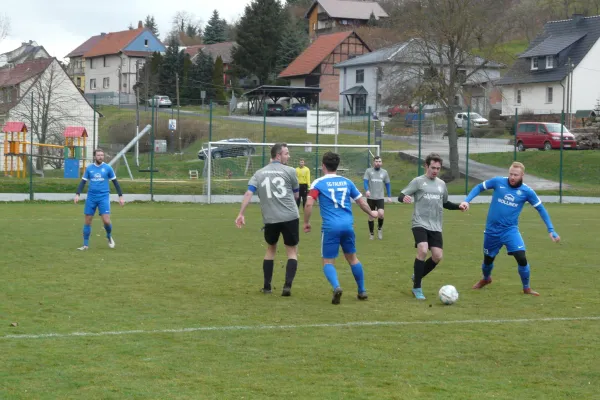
(377, 181)
(429, 197)
(275, 184)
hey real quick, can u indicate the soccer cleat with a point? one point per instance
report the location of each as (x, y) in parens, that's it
(82, 248)
(266, 291)
(380, 234)
(287, 291)
(111, 242)
(531, 292)
(362, 296)
(418, 293)
(482, 283)
(337, 295)
(371, 237)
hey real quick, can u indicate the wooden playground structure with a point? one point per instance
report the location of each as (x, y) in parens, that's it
(17, 150)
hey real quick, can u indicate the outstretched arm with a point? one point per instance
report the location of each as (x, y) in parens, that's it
(546, 218)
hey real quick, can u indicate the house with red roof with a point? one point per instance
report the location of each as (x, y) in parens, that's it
(107, 64)
(314, 67)
(57, 103)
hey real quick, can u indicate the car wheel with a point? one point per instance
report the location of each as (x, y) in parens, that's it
(217, 155)
(547, 146)
(246, 152)
(520, 146)
(457, 127)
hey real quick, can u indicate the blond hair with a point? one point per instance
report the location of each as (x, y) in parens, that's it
(517, 164)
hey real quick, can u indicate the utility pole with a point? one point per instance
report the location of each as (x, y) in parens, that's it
(137, 111)
(147, 73)
(178, 108)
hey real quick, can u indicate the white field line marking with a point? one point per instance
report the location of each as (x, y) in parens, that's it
(284, 327)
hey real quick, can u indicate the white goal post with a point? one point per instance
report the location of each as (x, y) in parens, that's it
(229, 164)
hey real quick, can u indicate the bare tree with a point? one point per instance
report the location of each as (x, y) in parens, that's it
(4, 26)
(50, 105)
(447, 33)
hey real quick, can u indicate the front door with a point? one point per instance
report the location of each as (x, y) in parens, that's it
(360, 105)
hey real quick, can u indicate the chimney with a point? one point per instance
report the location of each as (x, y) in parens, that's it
(140, 25)
(103, 34)
(576, 18)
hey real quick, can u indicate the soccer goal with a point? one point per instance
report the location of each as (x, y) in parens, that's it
(228, 165)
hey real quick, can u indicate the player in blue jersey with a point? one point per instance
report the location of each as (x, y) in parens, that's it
(334, 193)
(98, 196)
(502, 225)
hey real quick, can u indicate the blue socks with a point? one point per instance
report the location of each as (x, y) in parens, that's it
(87, 230)
(524, 274)
(359, 277)
(108, 229)
(331, 275)
(487, 270)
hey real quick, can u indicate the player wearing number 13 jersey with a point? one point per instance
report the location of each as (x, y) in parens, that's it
(277, 187)
(335, 194)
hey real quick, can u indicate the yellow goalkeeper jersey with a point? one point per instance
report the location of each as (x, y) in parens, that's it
(303, 175)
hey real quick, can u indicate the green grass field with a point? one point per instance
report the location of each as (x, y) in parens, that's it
(174, 311)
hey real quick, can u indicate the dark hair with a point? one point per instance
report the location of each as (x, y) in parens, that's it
(331, 161)
(276, 149)
(433, 157)
(98, 150)
(376, 158)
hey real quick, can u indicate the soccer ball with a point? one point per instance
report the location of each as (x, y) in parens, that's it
(448, 294)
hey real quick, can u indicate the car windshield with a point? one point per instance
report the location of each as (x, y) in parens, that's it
(555, 128)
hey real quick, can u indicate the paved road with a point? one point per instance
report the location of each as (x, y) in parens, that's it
(428, 144)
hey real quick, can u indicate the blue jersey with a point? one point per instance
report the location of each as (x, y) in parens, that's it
(334, 194)
(98, 177)
(507, 204)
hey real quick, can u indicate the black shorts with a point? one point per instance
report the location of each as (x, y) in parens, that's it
(376, 204)
(289, 229)
(433, 238)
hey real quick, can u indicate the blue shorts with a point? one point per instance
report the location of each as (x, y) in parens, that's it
(102, 204)
(511, 239)
(331, 240)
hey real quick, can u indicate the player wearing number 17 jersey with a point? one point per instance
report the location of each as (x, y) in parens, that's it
(335, 193)
(277, 187)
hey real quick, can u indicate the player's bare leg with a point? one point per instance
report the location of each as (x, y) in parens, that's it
(359, 277)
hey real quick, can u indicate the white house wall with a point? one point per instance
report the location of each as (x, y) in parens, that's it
(74, 110)
(99, 72)
(533, 98)
(586, 80)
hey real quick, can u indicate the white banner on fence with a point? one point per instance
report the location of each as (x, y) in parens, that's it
(329, 122)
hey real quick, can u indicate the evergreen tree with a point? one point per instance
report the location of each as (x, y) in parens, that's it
(170, 66)
(191, 30)
(150, 24)
(201, 75)
(217, 80)
(258, 38)
(372, 22)
(293, 41)
(215, 30)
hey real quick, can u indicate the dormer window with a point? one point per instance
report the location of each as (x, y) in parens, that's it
(534, 63)
(549, 62)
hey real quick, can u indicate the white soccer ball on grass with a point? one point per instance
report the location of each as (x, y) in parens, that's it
(448, 294)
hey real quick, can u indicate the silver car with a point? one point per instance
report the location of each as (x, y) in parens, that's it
(161, 101)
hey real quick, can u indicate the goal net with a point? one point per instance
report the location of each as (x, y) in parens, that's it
(228, 165)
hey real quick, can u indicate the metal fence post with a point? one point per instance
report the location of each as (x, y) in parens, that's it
(94, 125)
(467, 156)
(152, 156)
(264, 139)
(420, 166)
(368, 135)
(560, 181)
(515, 134)
(31, 153)
(317, 147)
(210, 121)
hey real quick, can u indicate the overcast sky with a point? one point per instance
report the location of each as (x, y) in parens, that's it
(60, 26)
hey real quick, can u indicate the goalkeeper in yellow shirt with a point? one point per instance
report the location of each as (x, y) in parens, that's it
(303, 174)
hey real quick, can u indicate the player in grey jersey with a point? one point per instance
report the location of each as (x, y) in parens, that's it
(277, 187)
(374, 180)
(430, 198)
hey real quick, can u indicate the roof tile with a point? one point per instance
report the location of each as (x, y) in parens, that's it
(113, 43)
(21, 72)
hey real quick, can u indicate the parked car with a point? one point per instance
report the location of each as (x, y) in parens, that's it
(543, 135)
(297, 110)
(161, 101)
(274, 110)
(476, 120)
(228, 149)
(395, 110)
